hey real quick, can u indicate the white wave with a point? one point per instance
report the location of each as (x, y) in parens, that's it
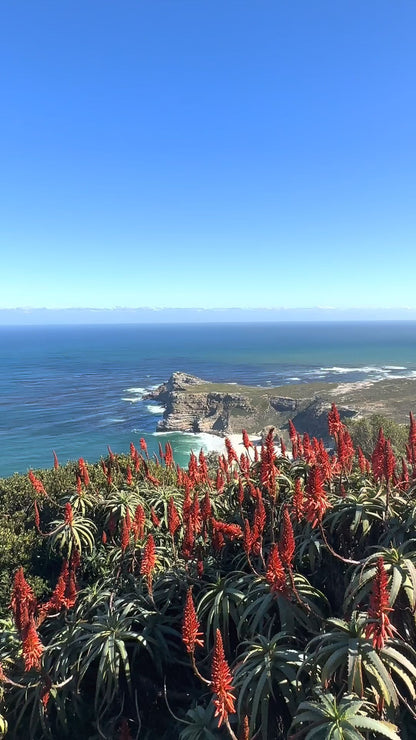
(393, 367)
(133, 399)
(155, 409)
(208, 442)
(344, 370)
(115, 421)
(293, 378)
(135, 390)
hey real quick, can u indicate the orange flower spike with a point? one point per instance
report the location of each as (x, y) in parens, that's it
(190, 625)
(124, 542)
(32, 647)
(174, 521)
(246, 440)
(23, 601)
(148, 561)
(287, 540)
(380, 628)
(221, 683)
(55, 460)
(275, 574)
(69, 514)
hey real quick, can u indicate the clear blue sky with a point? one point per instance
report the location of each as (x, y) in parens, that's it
(207, 153)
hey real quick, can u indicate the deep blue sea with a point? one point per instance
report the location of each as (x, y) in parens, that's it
(77, 389)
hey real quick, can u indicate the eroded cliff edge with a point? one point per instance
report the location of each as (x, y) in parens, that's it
(195, 405)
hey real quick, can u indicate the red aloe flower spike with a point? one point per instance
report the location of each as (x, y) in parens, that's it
(188, 542)
(155, 519)
(317, 502)
(361, 460)
(412, 431)
(174, 521)
(404, 478)
(83, 471)
(287, 540)
(219, 482)
(32, 647)
(275, 574)
(334, 421)
(143, 446)
(195, 515)
(389, 462)
(148, 561)
(293, 435)
(245, 729)
(55, 460)
(221, 683)
(297, 501)
(377, 458)
(70, 590)
(37, 516)
(248, 538)
(232, 531)
(69, 514)
(240, 493)
(57, 599)
(246, 440)
(380, 628)
(36, 483)
(206, 508)
(124, 542)
(169, 462)
(193, 472)
(203, 468)
(260, 513)
(231, 453)
(190, 625)
(128, 518)
(129, 477)
(23, 601)
(138, 522)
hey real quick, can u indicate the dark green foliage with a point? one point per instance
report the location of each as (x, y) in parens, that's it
(364, 433)
(295, 629)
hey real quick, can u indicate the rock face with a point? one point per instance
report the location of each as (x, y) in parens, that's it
(194, 405)
(190, 408)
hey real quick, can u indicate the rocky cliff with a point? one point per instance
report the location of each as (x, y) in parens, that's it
(193, 405)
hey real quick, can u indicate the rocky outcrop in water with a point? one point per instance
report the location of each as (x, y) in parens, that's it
(194, 405)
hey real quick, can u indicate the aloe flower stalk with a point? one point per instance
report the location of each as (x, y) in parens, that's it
(380, 628)
(287, 540)
(190, 626)
(221, 683)
(275, 574)
(32, 647)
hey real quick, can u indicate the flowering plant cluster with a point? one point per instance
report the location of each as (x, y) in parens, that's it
(227, 595)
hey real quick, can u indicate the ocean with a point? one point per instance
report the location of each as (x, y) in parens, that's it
(77, 389)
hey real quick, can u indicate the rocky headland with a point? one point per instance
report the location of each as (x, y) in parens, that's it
(195, 405)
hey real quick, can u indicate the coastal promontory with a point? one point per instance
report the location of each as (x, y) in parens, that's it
(192, 404)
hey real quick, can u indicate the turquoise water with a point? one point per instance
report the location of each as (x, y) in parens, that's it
(77, 389)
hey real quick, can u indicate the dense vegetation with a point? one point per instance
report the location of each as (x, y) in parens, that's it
(267, 596)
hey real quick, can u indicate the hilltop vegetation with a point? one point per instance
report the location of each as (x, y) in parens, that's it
(267, 596)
